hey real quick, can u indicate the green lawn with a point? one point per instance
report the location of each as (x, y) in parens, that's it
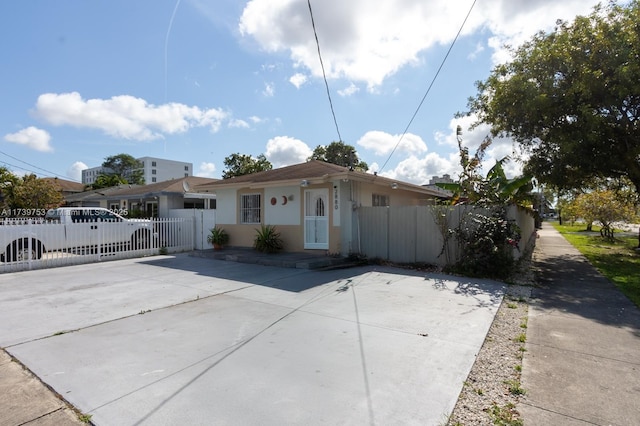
(617, 260)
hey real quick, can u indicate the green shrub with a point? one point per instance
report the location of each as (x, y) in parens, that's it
(268, 239)
(487, 241)
(218, 236)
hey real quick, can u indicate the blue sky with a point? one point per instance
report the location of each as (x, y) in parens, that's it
(198, 80)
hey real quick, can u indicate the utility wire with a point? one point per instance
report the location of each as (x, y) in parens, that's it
(16, 167)
(31, 165)
(324, 75)
(430, 85)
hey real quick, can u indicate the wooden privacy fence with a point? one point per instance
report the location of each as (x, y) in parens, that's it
(411, 234)
(35, 243)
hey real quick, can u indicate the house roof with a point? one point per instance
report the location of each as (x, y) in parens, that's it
(173, 186)
(66, 185)
(176, 186)
(314, 171)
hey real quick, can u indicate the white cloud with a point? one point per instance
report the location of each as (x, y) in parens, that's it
(382, 143)
(75, 171)
(269, 90)
(206, 170)
(369, 40)
(31, 137)
(237, 123)
(349, 90)
(499, 148)
(513, 22)
(269, 67)
(479, 49)
(298, 79)
(256, 120)
(125, 116)
(420, 170)
(284, 151)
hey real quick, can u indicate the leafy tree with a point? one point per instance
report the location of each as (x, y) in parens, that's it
(241, 164)
(31, 193)
(339, 153)
(485, 235)
(604, 207)
(572, 98)
(495, 189)
(125, 167)
(8, 183)
(107, 181)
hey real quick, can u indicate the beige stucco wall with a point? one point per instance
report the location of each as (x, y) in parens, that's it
(282, 205)
(288, 217)
(397, 197)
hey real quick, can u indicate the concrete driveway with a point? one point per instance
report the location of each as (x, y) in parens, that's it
(174, 340)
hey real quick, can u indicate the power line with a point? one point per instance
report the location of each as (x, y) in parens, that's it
(324, 75)
(430, 85)
(31, 165)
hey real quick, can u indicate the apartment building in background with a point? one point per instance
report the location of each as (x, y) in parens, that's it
(154, 170)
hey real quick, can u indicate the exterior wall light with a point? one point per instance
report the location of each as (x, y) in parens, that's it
(304, 183)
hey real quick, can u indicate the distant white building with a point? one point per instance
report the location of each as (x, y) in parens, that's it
(154, 170)
(438, 179)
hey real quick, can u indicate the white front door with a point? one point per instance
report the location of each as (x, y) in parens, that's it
(316, 219)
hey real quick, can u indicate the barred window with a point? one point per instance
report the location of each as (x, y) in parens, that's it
(250, 208)
(379, 200)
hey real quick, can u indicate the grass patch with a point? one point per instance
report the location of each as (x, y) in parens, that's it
(505, 416)
(514, 387)
(617, 260)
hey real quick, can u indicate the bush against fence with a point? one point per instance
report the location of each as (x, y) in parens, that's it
(428, 234)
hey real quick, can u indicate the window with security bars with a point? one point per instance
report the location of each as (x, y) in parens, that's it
(250, 208)
(379, 200)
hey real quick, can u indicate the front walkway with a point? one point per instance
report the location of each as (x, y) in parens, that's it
(582, 364)
(300, 260)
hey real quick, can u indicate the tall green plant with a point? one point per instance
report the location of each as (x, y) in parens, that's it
(487, 240)
(268, 240)
(485, 236)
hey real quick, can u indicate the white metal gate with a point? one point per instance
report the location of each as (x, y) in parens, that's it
(316, 219)
(84, 241)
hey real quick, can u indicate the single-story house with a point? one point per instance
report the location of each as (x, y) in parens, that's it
(66, 187)
(314, 205)
(154, 200)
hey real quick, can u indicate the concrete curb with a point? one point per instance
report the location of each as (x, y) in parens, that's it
(24, 399)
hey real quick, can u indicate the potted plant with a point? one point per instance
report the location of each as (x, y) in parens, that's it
(218, 237)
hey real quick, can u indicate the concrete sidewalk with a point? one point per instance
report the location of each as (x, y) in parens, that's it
(25, 400)
(582, 364)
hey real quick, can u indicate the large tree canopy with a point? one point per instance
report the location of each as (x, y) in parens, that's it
(339, 153)
(241, 164)
(27, 194)
(120, 168)
(572, 98)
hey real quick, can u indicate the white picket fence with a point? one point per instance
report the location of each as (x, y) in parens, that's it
(37, 244)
